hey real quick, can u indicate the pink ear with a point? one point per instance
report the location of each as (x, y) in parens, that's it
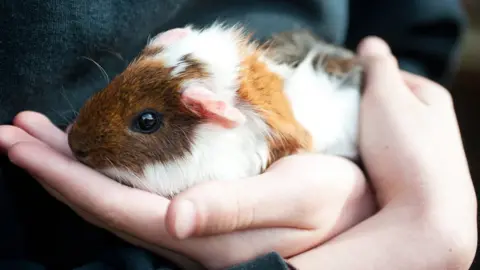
(170, 36)
(207, 105)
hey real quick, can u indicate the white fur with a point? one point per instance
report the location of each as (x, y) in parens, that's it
(215, 45)
(217, 153)
(326, 107)
(329, 113)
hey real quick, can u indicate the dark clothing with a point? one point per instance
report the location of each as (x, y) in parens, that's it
(42, 68)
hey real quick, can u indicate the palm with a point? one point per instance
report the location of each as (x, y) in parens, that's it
(138, 216)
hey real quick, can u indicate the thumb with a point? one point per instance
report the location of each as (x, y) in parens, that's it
(223, 206)
(382, 74)
(289, 195)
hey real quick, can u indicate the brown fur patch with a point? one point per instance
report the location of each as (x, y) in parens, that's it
(292, 47)
(339, 66)
(150, 52)
(101, 131)
(194, 69)
(334, 65)
(347, 69)
(264, 89)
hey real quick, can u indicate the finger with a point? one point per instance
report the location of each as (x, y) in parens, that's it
(40, 127)
(373, 46)
(287, 242)
(427, 91)
(382, 74)
(277, 198)
(131, 210)
(10, 135)
(139, 219)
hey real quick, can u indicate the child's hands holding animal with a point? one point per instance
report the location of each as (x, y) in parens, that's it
(210, 106)
(412, 198)
(412, 150)
(300, 202)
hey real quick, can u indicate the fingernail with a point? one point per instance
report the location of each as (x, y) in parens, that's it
(185, 219)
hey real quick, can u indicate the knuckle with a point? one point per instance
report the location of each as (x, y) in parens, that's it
(224, 212)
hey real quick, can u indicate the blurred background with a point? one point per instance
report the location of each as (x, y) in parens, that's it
(466, 95)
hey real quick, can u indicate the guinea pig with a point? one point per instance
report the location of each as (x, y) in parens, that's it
(213, 104)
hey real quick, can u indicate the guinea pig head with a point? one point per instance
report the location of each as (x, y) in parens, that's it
(132, 121)
(148, 114)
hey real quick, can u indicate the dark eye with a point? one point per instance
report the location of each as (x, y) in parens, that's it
(147, 122)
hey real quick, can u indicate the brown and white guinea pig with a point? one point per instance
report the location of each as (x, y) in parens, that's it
(211, 104)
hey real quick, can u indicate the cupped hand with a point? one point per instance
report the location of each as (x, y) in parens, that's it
(299, 203)
(408, 131)
(412, 150)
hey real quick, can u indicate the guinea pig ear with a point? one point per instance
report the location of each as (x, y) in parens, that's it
(207, 105)
(170, 36)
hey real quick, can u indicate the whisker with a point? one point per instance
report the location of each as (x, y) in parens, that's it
(117, 55)
(67, 121)
(64, 94)
(105, 75)
(180, 129)
(109, 161)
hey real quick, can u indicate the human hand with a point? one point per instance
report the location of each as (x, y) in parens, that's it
(412, 150)
(277, 211)
(408, 131)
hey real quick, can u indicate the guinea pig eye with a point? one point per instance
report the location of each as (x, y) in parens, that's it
(147, 122)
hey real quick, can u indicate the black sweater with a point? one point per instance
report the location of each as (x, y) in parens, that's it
(41, 68)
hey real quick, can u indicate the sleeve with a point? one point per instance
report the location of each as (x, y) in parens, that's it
(270, 261)
(424, 35)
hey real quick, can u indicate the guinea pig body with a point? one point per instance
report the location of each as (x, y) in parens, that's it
(324, 90)
(210, 104)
